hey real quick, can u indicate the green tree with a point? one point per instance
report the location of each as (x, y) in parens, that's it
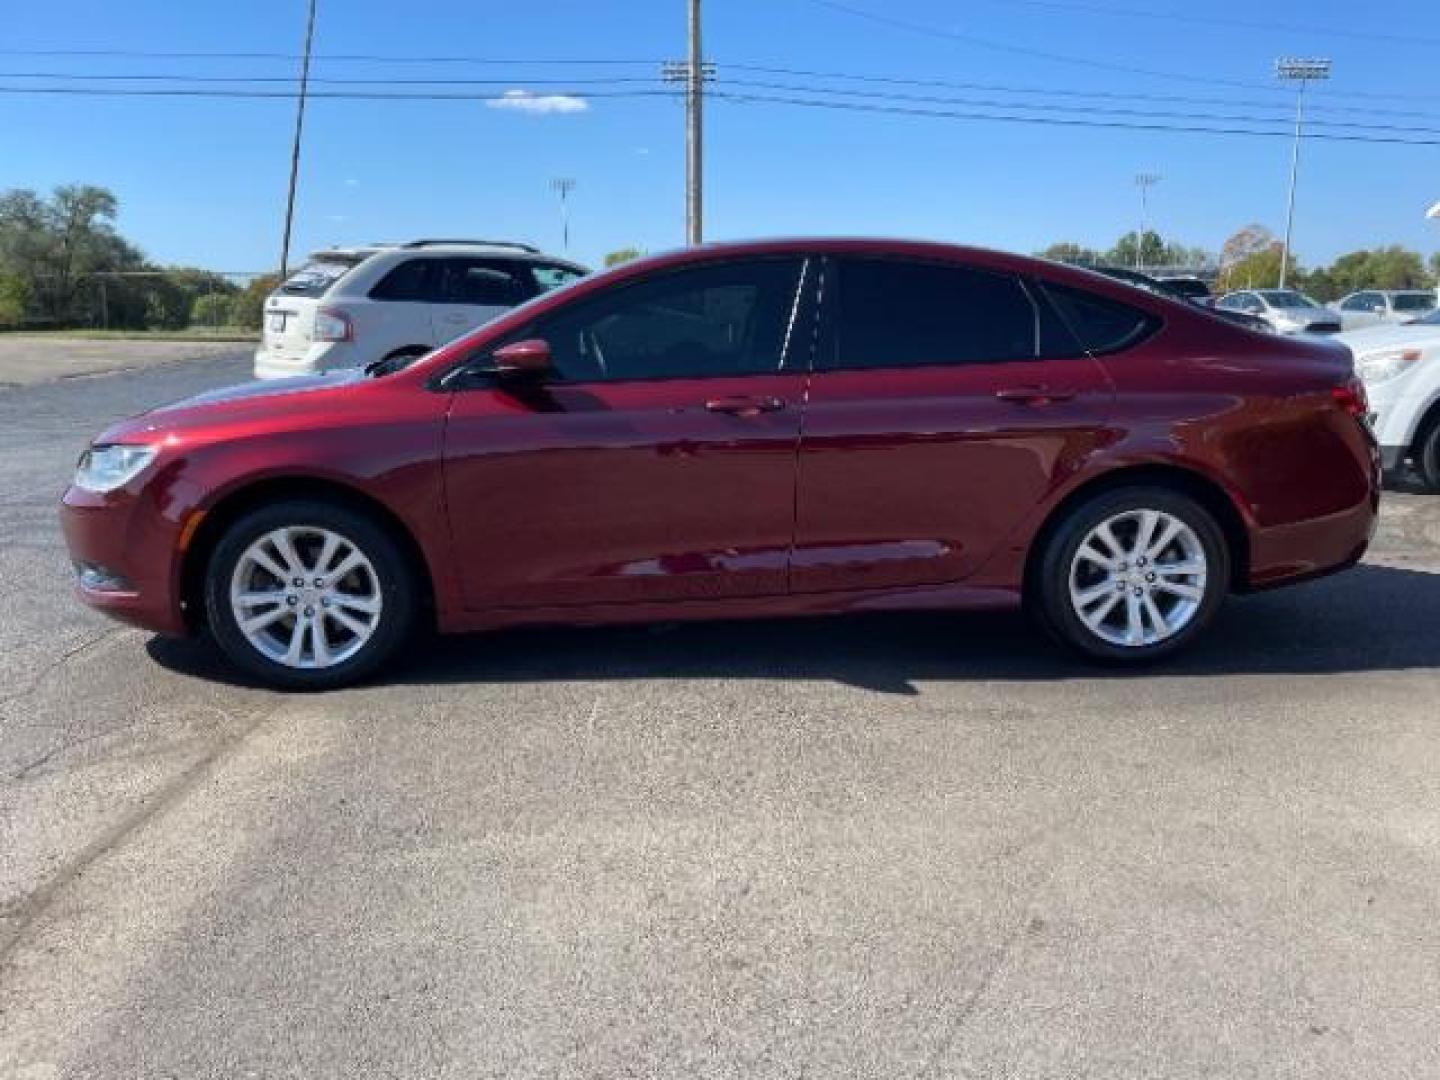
(1153, 250)
(623, 255)
(1074, 254)
(1258, 270)
(211, 309)
(247, 306)
(58, 245)
(14, 299)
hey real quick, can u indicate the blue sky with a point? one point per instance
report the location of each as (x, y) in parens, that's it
(202, 180)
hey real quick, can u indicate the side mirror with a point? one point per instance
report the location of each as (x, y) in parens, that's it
(522, 358)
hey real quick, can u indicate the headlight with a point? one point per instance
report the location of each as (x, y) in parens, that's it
(105, 468)
(1378, 367)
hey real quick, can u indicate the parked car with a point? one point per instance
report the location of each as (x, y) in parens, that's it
(1191, 288)
(1371, 306)
(753, 429)
(388, 303)
(1400, 365)
(1169, 287)
(1286, 310)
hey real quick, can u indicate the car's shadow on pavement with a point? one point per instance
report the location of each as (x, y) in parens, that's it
(1371, 618)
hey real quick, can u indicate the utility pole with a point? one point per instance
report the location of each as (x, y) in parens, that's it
(1303, 72)
(295, 145)
(562, 186)
(1144, 181)
(693, 73)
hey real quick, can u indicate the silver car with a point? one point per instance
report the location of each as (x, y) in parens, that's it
(1371, 307)
(1286, 310)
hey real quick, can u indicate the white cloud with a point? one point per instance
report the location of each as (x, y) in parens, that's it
(527, 102)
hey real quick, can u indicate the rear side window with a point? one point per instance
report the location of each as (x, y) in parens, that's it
(315, 277)
(1414, 301)
(411, 280)
(1102, 325)
(894, 313)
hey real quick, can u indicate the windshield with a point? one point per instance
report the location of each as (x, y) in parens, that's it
(549, 276)
(1286, 298)
(1414, 301)
(315, 277)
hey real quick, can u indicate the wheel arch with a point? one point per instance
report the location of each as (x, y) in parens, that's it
(236, 503)
(1204, 490)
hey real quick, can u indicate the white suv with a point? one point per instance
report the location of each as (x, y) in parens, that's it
(350, 307)
(1400, 365)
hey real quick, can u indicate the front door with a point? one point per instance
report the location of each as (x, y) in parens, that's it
(656, 464)
(946, 403)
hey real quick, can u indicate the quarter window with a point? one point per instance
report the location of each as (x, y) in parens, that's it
(911, 314)
(728, 319)
(1102, 325)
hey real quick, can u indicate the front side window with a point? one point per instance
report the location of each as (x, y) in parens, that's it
(705, 322)
(894, 313)
(484, 283)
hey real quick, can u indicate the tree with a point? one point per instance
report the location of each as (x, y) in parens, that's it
(14, 299)
(1068, 252)
(1258, 270)
(247, 306)
(212, 309)
(1152, 250)
(57, 245)
(1253, 239)
(623, 255)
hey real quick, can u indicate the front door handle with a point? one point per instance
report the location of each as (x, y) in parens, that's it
(745, 406)
(1034, 395)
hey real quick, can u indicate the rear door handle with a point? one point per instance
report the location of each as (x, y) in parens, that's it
(1034, 395)
(745, 406)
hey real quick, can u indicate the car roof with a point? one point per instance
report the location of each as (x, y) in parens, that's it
(356, 253)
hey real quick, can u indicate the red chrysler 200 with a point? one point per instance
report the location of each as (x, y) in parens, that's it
(753, 429)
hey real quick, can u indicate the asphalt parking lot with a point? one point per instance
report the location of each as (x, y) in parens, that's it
(916, 846)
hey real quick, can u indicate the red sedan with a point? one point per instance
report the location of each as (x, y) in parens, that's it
(755, 429)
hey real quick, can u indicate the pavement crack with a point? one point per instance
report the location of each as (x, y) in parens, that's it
(38, 679)
(28, 912)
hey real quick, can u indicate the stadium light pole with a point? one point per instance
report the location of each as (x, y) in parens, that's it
(295, 144)
(1303, 72)
(562, 186)
(1144, 181)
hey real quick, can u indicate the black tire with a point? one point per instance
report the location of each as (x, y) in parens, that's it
(395, 583)
(1427, 453)
(1048, 596)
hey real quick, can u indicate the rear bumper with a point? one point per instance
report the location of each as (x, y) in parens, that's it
(120, 534)
(318, 358)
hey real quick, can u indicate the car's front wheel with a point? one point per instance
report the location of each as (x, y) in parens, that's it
(308, 595)
(1132, 574)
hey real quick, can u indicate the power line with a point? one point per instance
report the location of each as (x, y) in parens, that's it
(928, 30)
(368, 58)
(1055, 121)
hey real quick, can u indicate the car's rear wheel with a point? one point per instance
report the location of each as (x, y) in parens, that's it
(308, 595)
(1132, 574)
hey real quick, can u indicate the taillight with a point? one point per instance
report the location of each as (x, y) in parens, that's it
(1351, 397)
(332, 324)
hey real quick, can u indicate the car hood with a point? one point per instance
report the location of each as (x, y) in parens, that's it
(231, 404)
(1385, 335)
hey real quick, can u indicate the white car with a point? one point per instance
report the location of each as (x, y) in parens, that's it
(1400, 366)
(1286, 310)
(352, 307)
(1371, 306)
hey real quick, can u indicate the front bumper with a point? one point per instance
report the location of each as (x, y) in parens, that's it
(123, 535)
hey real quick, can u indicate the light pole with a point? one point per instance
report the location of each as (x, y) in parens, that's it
(295, 145)
(1144, 181)
(562, 186)
(1302, 72)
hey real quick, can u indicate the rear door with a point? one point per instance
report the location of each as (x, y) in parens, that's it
(946, 403)
(658, 461)
(472, 291)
